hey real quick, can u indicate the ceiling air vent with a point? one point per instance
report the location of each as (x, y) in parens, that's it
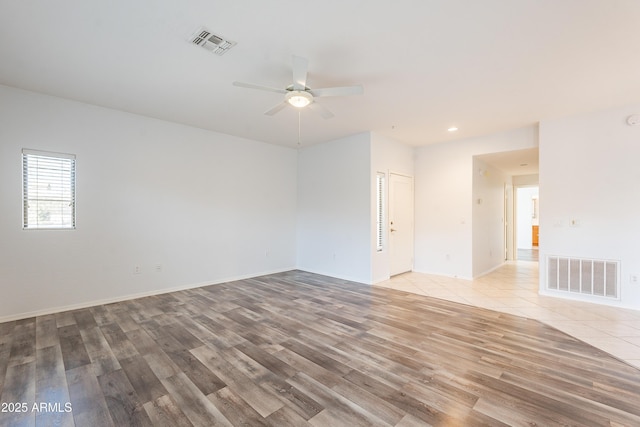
(211, 42)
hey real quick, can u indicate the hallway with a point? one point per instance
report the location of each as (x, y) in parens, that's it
(513, 289)
(528, 254)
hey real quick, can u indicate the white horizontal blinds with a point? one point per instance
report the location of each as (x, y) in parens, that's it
(48, 190)
(379, 210)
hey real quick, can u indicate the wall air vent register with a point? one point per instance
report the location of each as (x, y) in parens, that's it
(594, 277)
(211, 42)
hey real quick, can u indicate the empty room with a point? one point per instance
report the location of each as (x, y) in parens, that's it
(298, 213)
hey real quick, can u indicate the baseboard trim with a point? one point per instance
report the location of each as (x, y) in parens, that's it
(451, 276)
(341, 277)
(93, 303)
(484, 273)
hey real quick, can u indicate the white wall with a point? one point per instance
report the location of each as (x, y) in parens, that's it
(444, 199)
(488, 210)
(337, 205)
(206, 206)
(334, 208)
(589, 172)
(387, 156)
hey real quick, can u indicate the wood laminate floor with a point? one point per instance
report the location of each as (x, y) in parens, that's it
(301, 349)
(514, 289)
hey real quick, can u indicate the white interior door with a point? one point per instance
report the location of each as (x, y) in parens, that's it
(400, 223)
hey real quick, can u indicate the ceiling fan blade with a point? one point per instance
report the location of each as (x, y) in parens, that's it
(338, 91)
(276, 109)
(300, 67)
(321, 109)
(265, 88)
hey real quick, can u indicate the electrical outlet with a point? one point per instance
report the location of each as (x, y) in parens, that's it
(634, 279)
(158, 268)
(137, 269)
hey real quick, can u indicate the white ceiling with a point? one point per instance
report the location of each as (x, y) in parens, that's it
(514, 163)
(483, 66)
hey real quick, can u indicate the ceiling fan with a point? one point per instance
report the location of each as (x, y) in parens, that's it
(299, 95)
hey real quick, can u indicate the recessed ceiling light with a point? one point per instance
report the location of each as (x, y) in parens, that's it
(452, 129)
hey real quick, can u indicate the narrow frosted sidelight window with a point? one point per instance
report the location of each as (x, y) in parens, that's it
(379, 210)
(48, 190)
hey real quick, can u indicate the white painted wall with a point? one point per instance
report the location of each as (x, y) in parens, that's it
(207, 206)
(334, 208)
(589, 172)
(444, 199)
(443, 210)
(488, 212)
(387, 156)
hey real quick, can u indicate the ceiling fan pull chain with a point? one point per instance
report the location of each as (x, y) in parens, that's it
(299, 127)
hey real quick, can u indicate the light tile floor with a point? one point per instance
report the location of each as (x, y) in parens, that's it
(513, 288)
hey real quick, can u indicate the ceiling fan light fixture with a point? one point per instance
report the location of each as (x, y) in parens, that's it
(299, 98)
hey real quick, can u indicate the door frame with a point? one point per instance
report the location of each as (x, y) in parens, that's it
(389, 219)
(510, 253)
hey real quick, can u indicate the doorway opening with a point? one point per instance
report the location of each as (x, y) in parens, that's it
(520, 169)
(527, 220)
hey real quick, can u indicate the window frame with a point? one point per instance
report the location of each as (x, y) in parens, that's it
(66, 166)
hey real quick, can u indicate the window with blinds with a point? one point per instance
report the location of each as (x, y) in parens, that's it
(379, 210)
(48, 190)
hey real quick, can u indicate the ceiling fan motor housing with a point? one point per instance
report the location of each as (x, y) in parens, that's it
(299, 98)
